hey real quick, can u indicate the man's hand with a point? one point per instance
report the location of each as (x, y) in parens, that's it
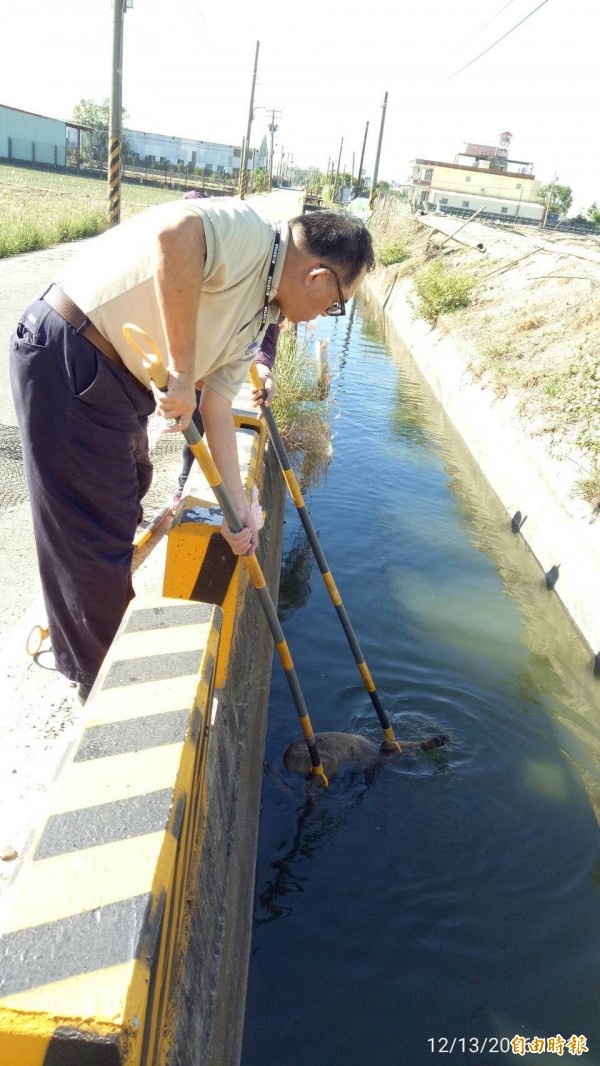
(178, 402)
(268, 383)
(246, 541)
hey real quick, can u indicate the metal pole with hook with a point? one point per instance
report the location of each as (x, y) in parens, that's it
(311, 533)
(145, 347)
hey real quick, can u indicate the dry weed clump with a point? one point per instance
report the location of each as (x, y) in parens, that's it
(532, 322)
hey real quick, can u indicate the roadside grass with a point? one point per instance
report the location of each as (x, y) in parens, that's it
(40, 208)
(299, 408)
(19, 235)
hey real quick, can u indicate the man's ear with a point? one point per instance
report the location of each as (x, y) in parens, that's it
(315, 272)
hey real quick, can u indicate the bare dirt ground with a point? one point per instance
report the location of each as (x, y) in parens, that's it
(531, 332)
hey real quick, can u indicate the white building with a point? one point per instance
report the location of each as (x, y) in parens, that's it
(481, 178)
(208, 156)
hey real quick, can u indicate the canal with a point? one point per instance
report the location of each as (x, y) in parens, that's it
(446, 906)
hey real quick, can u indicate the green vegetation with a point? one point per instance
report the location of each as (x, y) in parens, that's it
(95, 144)
(300, 407)
(577, 392)
(557, 198)
(41, 208)
(260, 180)
(530, 333)
(440, 292)
(30, 235)
(593, 215)
(327, 194)
(393, 252)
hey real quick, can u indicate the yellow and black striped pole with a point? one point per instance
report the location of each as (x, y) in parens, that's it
(143, 344)
(145, 534)
(115, 118)
(336, 599)
(114, 181)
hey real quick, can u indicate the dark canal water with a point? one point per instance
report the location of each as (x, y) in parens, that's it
(453, 896)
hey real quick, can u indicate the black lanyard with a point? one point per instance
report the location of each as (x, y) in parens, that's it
(269, 284)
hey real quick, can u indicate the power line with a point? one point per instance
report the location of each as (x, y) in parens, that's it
(489, 48)
(486, 24)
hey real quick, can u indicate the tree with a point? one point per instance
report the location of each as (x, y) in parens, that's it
(557, 198)
(260, 180)
(89, 113)
(593, 214)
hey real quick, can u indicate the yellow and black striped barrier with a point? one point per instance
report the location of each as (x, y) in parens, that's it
(146, 348)
(87, 947)
(336, 599)
(199, 563)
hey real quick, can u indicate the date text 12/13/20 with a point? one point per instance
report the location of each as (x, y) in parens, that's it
(503, 1045)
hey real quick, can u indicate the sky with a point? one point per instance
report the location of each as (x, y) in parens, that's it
(325, 68)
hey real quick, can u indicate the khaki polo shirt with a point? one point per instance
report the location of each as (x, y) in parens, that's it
(112, 281)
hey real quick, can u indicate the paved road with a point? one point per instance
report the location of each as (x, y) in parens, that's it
(39, 712)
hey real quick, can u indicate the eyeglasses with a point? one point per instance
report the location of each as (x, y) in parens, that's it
(339, 307)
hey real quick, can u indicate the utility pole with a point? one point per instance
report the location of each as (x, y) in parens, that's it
(549, 201)
(362, 159)
(115, 131)
(376, 170)
(338, 168)
(246, 148)
(272, 130)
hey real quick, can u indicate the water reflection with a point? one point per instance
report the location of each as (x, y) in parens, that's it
(554, 665)
(320, 816)
(294, 582)
(316, 823)
(427, 898)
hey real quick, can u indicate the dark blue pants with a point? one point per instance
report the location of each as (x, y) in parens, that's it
(83, 423)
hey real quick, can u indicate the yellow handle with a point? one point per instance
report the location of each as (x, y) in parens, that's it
(255, 377)
(35, 640)
(151, 359)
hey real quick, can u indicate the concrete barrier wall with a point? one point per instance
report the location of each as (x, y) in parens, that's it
(527, 481)
(210, 1013)
(87, 944)
(126, 936)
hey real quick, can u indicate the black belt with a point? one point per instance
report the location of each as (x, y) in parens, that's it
(73, 314)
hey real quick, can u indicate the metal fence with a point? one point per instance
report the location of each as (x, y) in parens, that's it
(584, 229)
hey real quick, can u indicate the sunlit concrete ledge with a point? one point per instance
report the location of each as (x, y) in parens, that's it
(127, 927)
(534, 488)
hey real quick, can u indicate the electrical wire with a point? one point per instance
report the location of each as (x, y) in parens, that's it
(489, 21)
(502, 38)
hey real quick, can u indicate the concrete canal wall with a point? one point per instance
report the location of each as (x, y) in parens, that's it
(530, 484)
(125, 935)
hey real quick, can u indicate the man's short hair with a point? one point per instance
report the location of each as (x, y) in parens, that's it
(337, 238)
